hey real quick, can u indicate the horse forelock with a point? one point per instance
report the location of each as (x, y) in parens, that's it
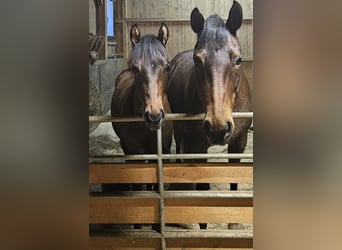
(214, 35)
(148, 49)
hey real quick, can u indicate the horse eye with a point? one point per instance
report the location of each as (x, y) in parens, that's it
(238, 61)
(197, 60)
(167, 68)
(135, 69)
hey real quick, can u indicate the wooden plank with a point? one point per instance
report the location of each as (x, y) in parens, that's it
(208, 173)
(205, 248)
(210, 243)
(175, 238)
(201, 214)
(100, 242)
(101, 27)
(128, 210)
(173, 173)
(118, 26)
(110, 243)
(123, 173)
(125, 239)
(123, 210)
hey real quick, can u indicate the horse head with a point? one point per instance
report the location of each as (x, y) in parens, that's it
(217, 58)
(149, 62)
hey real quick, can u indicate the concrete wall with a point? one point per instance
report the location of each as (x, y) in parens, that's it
(103, 73)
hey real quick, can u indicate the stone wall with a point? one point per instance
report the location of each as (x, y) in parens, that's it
(103, 74)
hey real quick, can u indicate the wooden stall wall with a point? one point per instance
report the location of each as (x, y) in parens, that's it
(148, 14)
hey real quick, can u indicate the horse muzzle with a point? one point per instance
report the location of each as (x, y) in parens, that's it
(154, 121)
(219, 136)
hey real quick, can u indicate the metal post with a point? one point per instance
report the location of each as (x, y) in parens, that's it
(161, 189)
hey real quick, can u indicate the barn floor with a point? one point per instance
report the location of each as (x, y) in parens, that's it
(103, 141)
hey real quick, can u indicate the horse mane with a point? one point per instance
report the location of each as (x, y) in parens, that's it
(214, 35)
(148, 50)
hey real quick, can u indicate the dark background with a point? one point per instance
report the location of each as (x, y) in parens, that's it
(44, 125)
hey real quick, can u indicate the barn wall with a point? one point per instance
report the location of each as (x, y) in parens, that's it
(176, 14)
(103, 74)
(148, 14)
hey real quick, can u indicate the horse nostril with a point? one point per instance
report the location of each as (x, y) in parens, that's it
(208, 129)
(158, 117)
(162, 113)
(229, 128)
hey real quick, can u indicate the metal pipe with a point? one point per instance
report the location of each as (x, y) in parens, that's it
(161, 188)
(227, 234)
(207, 156)
(208, 194)
(120, 158)
(174, 117)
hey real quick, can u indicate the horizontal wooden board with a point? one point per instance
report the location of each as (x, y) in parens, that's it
(210, 243)
(208, 173)
(200, 214)
(122, 210)
(173, 173)
(210, 202)
(175, 239)
(123, 173)
(108, 242)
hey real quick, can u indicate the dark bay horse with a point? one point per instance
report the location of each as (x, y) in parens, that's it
(208, 79)
(140, 91)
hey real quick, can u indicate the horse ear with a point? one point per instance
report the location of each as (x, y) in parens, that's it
(197, 21)
(135, 34)
(234, 18)
(163, 34)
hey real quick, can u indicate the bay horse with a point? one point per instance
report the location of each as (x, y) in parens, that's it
(208, 79)
(140, 91)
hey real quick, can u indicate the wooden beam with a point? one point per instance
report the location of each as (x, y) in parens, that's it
(208, 173)
(108, 242)
(118, 26)
(209, 243)
(173, 173)
(123, 210)
(202, 214)
(123, 173)
(176, 239)
(101, 27)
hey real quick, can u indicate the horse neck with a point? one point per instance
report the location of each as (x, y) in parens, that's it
(137, 99)
(193, 94)
(244, 96)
